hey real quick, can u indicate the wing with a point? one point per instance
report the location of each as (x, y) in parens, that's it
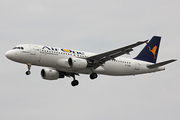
(99, 59)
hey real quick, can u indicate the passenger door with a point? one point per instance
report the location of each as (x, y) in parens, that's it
(32, 50)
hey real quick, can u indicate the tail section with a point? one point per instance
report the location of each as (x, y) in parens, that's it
(160, 64)
(150, 51)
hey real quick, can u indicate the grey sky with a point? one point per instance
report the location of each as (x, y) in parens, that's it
(94, 26)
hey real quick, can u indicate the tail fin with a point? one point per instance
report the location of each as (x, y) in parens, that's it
(150, 51)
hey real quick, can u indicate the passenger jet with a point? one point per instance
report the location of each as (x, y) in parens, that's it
(66, 62)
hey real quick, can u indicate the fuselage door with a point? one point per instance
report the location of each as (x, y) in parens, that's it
(137, 66)
(32, 50)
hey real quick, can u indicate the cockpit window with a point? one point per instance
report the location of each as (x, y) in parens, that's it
(21, 48)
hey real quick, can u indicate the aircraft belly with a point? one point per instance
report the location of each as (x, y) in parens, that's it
(118, 69)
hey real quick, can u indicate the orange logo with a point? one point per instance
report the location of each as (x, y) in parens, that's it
(65, 50)
(153, 51)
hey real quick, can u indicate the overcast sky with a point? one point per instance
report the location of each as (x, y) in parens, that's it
(93, 26)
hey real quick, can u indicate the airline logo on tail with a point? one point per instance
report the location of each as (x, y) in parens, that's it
(153, 51)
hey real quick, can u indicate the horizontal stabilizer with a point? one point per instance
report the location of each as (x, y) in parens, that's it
(160, 64)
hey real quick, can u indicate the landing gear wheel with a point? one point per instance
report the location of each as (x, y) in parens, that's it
(74, 83)
(28, 72)
(93, 76)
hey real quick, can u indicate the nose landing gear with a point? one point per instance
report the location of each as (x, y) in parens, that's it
(29, 67)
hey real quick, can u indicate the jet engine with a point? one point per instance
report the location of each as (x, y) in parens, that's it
(77, 63)
(72, 63)
(50, 74)
(64, 63)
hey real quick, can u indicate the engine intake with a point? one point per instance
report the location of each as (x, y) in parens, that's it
(77, 63)
(64, 63)
(50, 74)
(72, 63)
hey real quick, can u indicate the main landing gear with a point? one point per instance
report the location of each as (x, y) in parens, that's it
(93, 76)
(29, 67)
(74, 82)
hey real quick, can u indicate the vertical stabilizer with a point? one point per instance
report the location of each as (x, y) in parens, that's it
(150, 51)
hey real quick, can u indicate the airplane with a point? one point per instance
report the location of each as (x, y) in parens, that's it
(66, 62)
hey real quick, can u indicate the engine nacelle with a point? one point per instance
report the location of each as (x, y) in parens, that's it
(50, 74)
(63, 63)
(77, 63)
(72, 63)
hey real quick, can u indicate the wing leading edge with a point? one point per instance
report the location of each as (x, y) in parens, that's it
(99, 59)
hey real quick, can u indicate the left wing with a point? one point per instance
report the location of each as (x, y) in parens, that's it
(99, 59)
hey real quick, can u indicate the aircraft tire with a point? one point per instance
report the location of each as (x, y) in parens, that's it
(28, 72)
(75, 83)
(93, 76)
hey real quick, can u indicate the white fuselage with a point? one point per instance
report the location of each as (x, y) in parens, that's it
(49, 56)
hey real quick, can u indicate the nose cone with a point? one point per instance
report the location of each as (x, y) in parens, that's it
(8, 54)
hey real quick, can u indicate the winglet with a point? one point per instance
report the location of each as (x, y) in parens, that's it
(141, 42)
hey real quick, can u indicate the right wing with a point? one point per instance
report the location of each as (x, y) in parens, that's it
(99, 59)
